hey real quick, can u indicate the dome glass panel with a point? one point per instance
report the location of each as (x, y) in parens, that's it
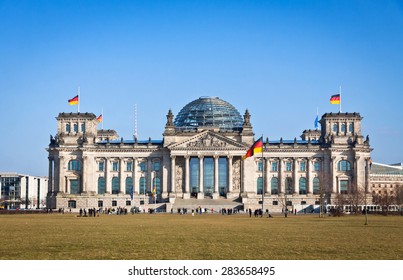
(209, 112)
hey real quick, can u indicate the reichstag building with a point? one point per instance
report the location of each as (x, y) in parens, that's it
(198, 162)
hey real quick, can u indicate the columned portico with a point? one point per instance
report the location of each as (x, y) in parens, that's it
(201, 178)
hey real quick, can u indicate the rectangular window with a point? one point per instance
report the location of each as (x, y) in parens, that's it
(260, 166)
(129, 166)
(156, 166)
(274, 166)
(101, 166)
(316, 166)
(343, 186)
(115, 166)
(74, 186)
(302, 166)
(114, 203)
(128, 203)
(275, 202)
(100, 203)
(83, 127)
(303, 202)
(68, 129)
(75, 128)
(288, 166)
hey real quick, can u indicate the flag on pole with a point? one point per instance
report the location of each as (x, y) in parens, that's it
(99, 119)
(73, 101)
(316, 123)
(257, 147)
(335, 99)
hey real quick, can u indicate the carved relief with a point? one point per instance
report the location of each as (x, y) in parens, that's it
(236, 175)
(207, 141)
(180, 174)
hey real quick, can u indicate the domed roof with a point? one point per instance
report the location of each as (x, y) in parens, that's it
(209, 112)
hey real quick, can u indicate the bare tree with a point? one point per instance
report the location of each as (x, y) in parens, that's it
(384, 200)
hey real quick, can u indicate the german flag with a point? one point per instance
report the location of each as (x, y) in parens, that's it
(74, 100)
(99, 119)
(257, 147)
(335, 99)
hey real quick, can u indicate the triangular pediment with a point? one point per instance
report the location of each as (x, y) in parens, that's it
(208, 140)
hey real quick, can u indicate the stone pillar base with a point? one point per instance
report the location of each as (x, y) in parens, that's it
(200, 195)
(186, 195)
(216, 195)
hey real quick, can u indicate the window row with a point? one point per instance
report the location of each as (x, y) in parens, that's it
(289, 186)
(156, 186)
(75, 127)
(343, 127)
(75, 165)
(288, 165)
(129, 166)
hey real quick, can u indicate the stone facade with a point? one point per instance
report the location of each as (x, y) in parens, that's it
(205, 164)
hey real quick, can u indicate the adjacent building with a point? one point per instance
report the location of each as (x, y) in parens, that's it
(198, 162)
(19, 191)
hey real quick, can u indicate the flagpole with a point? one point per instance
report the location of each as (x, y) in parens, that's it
(340, 97)
(78, 104)
(262, 179)
(102, 114)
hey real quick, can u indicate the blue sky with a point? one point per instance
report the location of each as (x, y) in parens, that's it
(281, 60)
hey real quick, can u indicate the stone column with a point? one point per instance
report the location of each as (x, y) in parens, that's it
(281, 175)
(333, 167)
(295, 176)
(216, 190)
(62, 179)
(173, 172)
(84, 170)
(149, 174)
(187, 175)
(367, 172)
(266, 183)
(50, 180)
(310, 176)
(122, 181)
(134, 176)
(230, 179)
(201, 177)
(108, 178)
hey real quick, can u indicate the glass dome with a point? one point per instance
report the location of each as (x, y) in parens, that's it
(209, 112)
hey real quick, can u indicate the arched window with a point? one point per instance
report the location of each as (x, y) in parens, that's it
(302, 185)
(259, 185)
(156, 166)
(68, 128)
(344, 165)
(75, 127)
(316, 185)
(129, 185)
(101, 185)
(74, 165)
(343, 127)
(274, 185)
(115, 185)
(157, 185)
(335, 127)
(142, 184)
(351, 127)
(288, 185)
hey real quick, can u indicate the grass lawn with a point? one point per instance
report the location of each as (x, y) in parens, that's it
(200, 237)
